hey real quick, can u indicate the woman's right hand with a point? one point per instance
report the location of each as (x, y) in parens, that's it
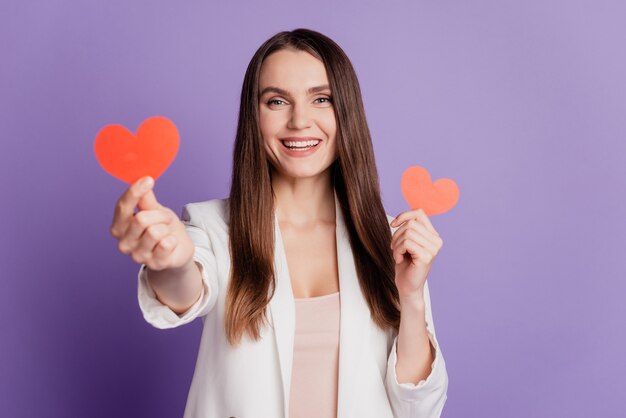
(154, 235)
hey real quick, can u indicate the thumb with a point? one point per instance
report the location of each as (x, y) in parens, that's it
(148, 201)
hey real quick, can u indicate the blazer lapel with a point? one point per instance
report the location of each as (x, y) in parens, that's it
(283, 313)
(353, 318)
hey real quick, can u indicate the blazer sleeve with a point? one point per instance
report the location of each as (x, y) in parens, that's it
(160, 315)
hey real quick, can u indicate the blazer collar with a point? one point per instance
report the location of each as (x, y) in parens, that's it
(353, 319)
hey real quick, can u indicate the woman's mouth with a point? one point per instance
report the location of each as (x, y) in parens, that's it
(301, 145)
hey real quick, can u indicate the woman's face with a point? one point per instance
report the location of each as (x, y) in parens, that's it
(296, 114)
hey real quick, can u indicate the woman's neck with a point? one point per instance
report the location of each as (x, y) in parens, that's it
(304, 201)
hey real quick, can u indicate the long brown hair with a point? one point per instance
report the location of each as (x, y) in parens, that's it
(251, 200)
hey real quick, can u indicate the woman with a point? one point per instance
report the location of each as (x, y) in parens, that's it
(310, 306)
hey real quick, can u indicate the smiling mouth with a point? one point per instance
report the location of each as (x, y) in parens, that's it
(300, 145)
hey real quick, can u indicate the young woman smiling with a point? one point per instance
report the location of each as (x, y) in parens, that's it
(314, 301)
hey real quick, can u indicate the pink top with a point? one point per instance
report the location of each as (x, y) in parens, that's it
(315, 358)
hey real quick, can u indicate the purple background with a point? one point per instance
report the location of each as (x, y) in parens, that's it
(522, 103)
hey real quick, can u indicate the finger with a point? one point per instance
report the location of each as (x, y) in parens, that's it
(149, 239)
(411, 248)
(162, 251)
(417, 214)
(402, 217)
(421, 215)
(148, 201)
(138, 224)
(416, 226)
(125, 207)
(418, 237)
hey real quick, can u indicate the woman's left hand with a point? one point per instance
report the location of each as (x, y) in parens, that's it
(415, 245)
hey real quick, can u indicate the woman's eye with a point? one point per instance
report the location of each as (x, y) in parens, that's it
(328, 99)
(273, 101)
(279, 102)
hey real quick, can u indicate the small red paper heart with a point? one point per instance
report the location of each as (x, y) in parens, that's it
(129, 157)
(420, 192)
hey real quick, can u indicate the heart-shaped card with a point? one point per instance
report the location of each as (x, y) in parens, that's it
(129, 157)
(421, 192)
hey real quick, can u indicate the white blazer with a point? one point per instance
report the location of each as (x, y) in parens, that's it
(253, 380)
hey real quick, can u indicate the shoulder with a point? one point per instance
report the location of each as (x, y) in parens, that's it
(208, 212)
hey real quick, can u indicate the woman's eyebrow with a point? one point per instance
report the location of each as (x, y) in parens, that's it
(287, 93)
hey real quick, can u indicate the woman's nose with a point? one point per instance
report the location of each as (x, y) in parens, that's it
(299, 118)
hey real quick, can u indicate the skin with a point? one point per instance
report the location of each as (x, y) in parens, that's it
(305, 210)
(297, 113)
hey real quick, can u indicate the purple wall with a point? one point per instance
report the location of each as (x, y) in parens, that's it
(522, 103)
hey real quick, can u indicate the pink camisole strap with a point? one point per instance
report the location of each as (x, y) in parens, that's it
(315, 358)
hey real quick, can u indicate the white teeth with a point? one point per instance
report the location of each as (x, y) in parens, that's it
(301, 144)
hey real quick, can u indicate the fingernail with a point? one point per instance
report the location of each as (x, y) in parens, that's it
(145, 183)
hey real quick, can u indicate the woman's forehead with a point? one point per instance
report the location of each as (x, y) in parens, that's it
(292, 71)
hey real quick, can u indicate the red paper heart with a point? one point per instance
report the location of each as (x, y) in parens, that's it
(129, 157)
(420, 192)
